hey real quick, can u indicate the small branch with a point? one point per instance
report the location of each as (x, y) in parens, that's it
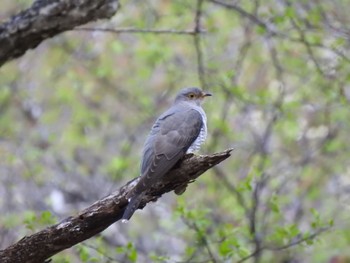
(231, 188)
(197, 45)
(276, 64)
(141, 31)
(273, 32)
(205, 242)
(307, 44)
(243, 13)
(289, 245)
(298, 240)
(202, 237)
(96, 218)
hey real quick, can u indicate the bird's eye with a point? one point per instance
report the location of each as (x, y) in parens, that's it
(191, 96)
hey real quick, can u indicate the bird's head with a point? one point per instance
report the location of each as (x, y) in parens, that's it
(195, 95)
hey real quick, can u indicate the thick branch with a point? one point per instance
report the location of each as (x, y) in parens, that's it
(47, 18)
(94, 219)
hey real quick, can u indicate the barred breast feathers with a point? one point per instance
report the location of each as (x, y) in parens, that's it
(202, 135)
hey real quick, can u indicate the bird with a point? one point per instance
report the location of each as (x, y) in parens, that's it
(179, 130)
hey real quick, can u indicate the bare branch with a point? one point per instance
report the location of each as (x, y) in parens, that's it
(245, 14)
(197, 45)
(47, 18)
(307, 45)
(142, 31)
(96, 218)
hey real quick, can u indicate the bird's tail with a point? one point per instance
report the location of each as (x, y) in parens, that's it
(134, 203)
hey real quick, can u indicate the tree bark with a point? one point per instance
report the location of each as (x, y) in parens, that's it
(94, 219)
(47, 18)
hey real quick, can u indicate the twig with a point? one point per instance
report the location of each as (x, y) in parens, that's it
(272, 32)
(291, 244)
(197, 45)
(263, 180)
(308, 47)
(206, 243)
(220, 174)
(202, 237)
(141, 31)
(245, 14)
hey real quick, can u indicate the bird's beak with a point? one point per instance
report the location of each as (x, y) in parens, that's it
(206, 94)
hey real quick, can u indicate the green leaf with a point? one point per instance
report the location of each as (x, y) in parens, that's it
(46, 218)
(243, 252)
(260, 30)
(29, 219)
(83, 253)
(289, 12)
(274, 205)
(132, 252)
(225, 248)
(120, 249)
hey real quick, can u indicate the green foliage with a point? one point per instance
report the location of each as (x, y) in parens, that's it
(34, 221)
(117, 165)
(274, 204)
(129, 251)
(75, 111)
(156, 258)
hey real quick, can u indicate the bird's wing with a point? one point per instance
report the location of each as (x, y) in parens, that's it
(178, 132)
(171, 136)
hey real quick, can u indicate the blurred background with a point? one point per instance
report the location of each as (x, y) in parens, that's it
(74, 114)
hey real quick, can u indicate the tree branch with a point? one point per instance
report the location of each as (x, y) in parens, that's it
(141, 31)
(96, 218)
(47, 18)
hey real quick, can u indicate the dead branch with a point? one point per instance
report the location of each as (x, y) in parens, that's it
(47, 18)
(97, 217)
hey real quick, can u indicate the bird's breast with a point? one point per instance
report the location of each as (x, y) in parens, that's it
(202, 135)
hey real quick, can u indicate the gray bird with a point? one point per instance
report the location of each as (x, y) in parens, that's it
(179, 130)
